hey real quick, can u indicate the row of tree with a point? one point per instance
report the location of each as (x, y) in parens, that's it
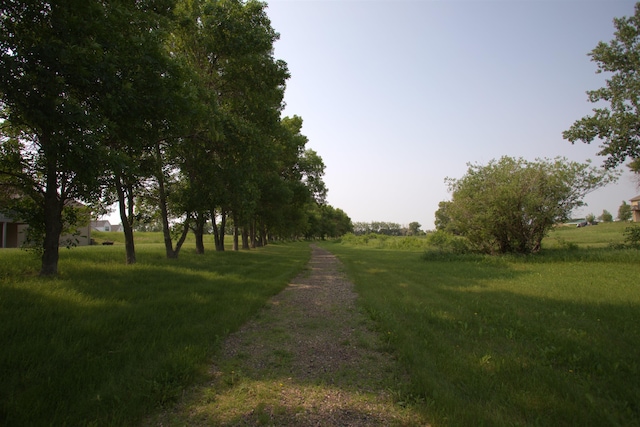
(625, 213)
(387, 228)
(169, 106)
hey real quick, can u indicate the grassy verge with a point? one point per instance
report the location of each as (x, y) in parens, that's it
(106, 343)
(551, 339)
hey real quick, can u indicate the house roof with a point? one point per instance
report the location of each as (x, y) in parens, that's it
(635, 199)
(100, 223)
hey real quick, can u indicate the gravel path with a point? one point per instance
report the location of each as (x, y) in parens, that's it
(309, 358)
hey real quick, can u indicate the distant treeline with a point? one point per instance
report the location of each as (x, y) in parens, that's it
(387, 228)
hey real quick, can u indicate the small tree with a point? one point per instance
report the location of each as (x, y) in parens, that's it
(509, 205)
(606, 216)
(414, 228)
(632, 236)
(591, 218)
(624, 212)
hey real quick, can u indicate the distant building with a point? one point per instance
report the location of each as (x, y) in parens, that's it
(105, 225)
(635, 208)
(102, 225)
(13, 233)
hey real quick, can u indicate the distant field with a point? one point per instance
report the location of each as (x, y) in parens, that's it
(106, 343)
(550, 339)
(593, 236)
(141, 238)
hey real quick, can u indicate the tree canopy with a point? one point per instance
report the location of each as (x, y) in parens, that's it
(65, 81)
(616, 126)
(510, 204)
(624, 212)
(171, 107)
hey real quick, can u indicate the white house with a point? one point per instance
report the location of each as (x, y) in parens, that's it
(102, 225)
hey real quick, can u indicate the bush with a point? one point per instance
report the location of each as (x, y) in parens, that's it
(448, 243)
(632, 236)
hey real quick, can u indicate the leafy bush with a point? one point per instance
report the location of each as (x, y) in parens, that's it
(510, 204)
(448, 243)
(632, 236)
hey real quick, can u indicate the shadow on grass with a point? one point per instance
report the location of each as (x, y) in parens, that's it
(106, 343)
(550, 340)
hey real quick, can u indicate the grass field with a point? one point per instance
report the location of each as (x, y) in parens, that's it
(105, 343)
(551, 339)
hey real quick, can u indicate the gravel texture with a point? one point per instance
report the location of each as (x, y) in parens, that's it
(310, 358)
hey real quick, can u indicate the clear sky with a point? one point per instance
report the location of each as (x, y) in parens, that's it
(397, 95)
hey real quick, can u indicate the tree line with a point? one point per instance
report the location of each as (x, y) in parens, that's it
(387, 228)
(625, 213)
(164, 106)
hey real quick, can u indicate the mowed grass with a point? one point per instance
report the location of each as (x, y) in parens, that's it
(106, 344)
(551, 339)
(594, 236)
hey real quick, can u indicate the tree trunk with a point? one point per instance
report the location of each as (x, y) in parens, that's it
(218, 231)
(252, 233)
(126, 217)
(52, 231)
(216, 236)
(245, 238)
(223, 224)
(199, 232)
(52, 222)
(164, 211)
(183, 236)
(263, 235)
(235, 235)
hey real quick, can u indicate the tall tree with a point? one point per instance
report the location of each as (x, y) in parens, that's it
(229, 44)
(81, 81)
(51, 60)
(143, 99)
(616, 126)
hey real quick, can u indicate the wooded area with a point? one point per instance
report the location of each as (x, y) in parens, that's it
(165, 106)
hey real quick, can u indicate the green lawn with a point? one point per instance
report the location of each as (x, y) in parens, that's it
(596, 236)
(106, 343)
(551, 339)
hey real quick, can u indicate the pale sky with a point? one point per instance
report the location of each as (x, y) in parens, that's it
(397, 95)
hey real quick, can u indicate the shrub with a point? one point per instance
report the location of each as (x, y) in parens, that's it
(447, 242)
(632, 236)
